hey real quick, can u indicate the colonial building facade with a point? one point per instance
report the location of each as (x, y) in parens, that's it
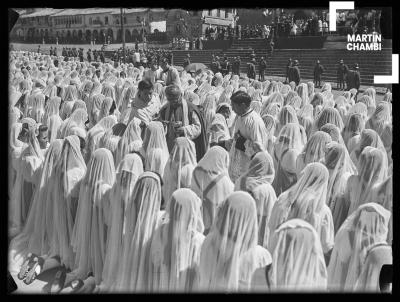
(103, 25)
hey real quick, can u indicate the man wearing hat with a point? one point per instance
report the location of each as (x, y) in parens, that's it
(186, 61)
(261, 69)
(251, 69)
(318, 71)
(353, 79)
(294, 73)
(225, 67)
(341, 75)
(236, 65)
(288, 67)
(215, 65)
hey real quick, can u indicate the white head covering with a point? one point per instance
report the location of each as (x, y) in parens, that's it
(305, 199)
(298, 262)
(377, 256)
(183, 154)
(211, 182)
(131, 134)
(372, 170)
(365, 227)
(230, 255)
(141, 222)
(121, 196)
(89, 234)
(176, 245)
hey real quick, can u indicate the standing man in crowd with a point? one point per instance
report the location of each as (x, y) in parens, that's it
(145, 105)
(288, 67)
(89, 55)
(250, 135)
(170, 74)
(341, 74)
(81, 54)
(182, 118)
(261, 69)
(236, 65)
(186, 61)
(154, 73)
(225, 67)
(215, 65)
(295, 73)
(318, 71)
(353, 79)
(251, 69)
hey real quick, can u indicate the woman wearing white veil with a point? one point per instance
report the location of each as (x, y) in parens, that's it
(370, 138)
(130, 140)
(89, 235)
(258, 182)
(297, 258)
(211, 183)
(141, 222)
(230, 254)
(314, 150)
(37, 233)
(340, 168)
(365, 227)
(288, 146)
(70, 170)
(52, 108)
(352, 131)
(183, 156)
(369, 279)
(154, 138)
(121, 196)
(307, 200)
(31, 159)
(372, 170)
(176, 245)
(380, 118)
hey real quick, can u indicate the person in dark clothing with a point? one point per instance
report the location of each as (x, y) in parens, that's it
(63, 52)
(288, 66)
(225, 67)
(81, 54)
(215, 65)
(102, 58)
(353, 79)
(236, 66)
(51, 50)
(261, 69)
(341, 75)
(318, 71)
(186, 61)
(251, 69)
(95, 55)
(271, 46)
(295, 73)
(89, 55)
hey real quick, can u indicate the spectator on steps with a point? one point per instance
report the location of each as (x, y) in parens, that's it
(294, 73)
(318, 71)
(261, 69)
(353, 79)
(288, 66)
(186, 61)
(341, 74)
(236, 65)
(251, 69)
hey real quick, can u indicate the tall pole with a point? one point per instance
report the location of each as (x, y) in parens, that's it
(122, 33)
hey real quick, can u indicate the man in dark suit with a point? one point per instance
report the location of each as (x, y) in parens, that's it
(353, 79)
(341, 74)
(318, 71)
(288, 67)
(261, 69)
(296, 72)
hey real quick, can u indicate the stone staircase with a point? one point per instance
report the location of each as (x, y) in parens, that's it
(370, 62)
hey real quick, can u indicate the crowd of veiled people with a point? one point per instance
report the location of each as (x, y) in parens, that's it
(290, 188)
